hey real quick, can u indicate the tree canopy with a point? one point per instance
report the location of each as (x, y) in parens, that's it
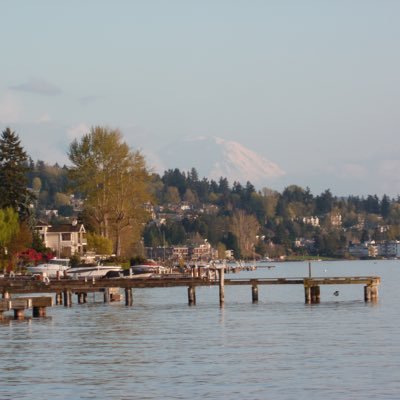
(113, 179)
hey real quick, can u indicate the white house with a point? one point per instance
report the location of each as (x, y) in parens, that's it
(65, 239)
(389, 248)
(314, 221)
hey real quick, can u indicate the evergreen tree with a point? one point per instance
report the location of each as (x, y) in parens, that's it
(223, 186)
(13, 174)
(385, 206)
(324, 202)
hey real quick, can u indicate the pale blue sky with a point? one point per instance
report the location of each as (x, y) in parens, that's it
(310, 85)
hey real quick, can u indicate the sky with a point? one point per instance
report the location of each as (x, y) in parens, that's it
(312, 86)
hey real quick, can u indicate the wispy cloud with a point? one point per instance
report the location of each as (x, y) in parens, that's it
(86, 100)
(352, 171)
(38, 86)
(44, 118)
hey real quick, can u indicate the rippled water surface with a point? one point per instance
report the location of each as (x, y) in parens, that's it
(161, 348)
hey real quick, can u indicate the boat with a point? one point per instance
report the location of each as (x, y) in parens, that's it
(51, 268)
(92, 271)
(147, 268)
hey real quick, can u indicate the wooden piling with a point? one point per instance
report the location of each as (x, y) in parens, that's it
(58, 298)
(371, 293)
(315, 294)
(192, 295)
(128, 297)
(19, 313)
(254, 293)
(38, 312)
(307, 293)
(221, 286)
(106, 295)
(67, 298)
(367, 293)
(374, 293)
(4, 306)
(80, 297)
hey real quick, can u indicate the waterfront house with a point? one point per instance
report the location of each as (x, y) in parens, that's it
(363, 250)
(389, 248)
(64, 240)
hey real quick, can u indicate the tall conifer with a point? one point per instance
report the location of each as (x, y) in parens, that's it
(13, 174)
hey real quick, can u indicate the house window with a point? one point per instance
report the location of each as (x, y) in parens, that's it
(65, 236)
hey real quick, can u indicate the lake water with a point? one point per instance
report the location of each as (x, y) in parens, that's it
(161, 348)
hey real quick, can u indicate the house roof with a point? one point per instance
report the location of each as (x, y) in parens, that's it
(41, 223)
(65, 228)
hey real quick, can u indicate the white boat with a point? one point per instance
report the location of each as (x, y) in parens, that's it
(51, 268)
(147, 268)
(92, 271)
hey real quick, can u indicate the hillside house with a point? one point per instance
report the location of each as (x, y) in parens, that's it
(65, 239)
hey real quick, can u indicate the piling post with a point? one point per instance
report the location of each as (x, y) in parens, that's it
(371, 293)
(254, 292)
(307, 294)
(38, 312)
(192, 295)
(106, 295)
(315, 294)
(84, 297)
(367, 293)
(128, 297)
(80, 297)
(221, 286)
(67, 298)
(19, 313)
(4, 306)
(374, 293)
(59, 298)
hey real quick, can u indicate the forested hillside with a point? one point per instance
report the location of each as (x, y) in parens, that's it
(189, 209)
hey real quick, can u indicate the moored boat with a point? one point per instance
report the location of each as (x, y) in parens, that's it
(51, 268)
(147, 268)
(92, 271)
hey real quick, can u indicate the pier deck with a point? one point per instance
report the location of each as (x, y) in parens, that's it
(65, 287)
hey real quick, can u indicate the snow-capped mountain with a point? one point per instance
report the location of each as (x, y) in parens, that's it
(215, 157)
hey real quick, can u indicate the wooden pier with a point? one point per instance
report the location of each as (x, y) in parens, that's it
(20, 304)
(65, 288)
